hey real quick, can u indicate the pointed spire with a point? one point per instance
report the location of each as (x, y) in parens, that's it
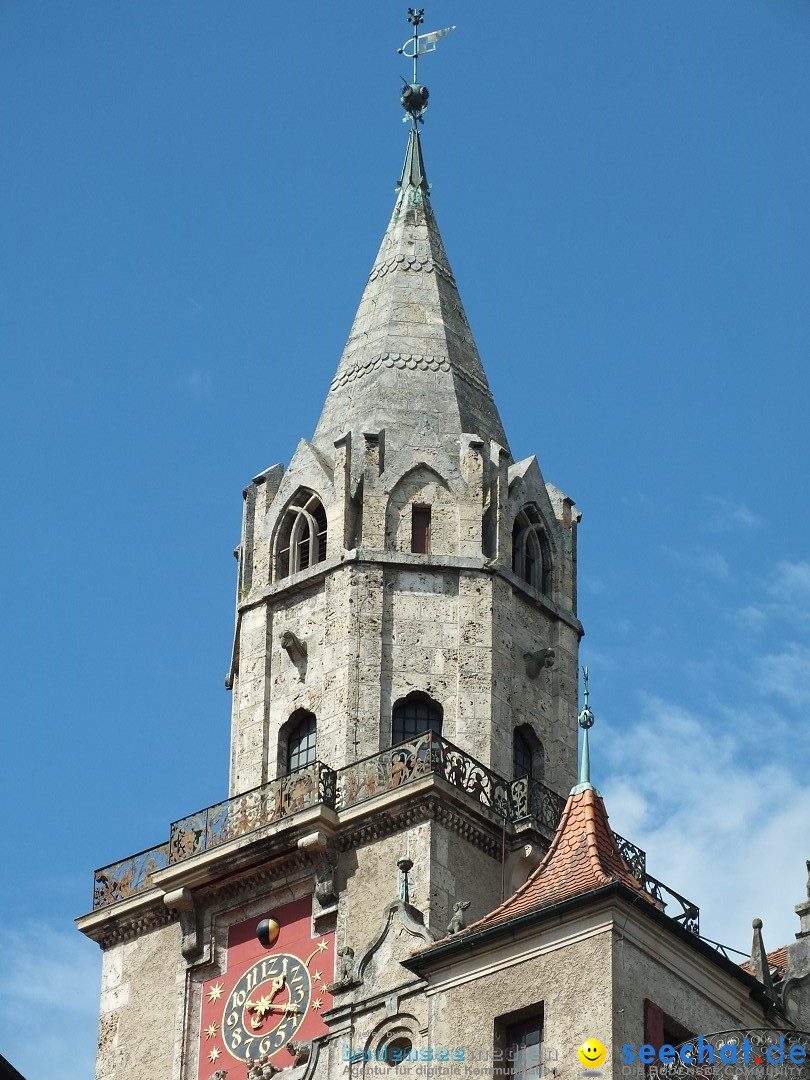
(760, 964)
(411, 359)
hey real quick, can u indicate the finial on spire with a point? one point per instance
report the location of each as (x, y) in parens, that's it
(414, 95)
(586, 722)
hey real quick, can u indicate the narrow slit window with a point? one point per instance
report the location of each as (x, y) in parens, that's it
(420, 530)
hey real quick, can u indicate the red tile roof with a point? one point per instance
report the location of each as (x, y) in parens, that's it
(583, 857)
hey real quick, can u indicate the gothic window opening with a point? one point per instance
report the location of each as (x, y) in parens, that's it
(301, 742)
(414, 715)
(302, 537)
(521, 755)
(420, 530)
(531, 555)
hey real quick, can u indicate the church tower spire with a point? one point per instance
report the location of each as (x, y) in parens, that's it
(411, 356)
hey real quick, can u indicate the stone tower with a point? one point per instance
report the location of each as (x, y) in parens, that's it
(404, 563)
(404, 695)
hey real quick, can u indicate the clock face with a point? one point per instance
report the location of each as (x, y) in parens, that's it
(266, 998)
(266, 1007)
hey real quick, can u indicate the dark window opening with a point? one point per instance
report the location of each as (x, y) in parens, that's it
(531, 556)
(397, 1051)
(662, 1030)
(301, 743)
(420, 530)
(521, 756)
(413, 716)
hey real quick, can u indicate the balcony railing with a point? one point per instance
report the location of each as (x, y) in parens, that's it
(244, 814)
(739, 1053)
(531, 799)
(425, 755)
(131, 876)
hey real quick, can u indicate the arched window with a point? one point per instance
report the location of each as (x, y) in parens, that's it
(521, 755)
(528, 756)
(301, 741)
(531, 556)
(302, 536)
(414, 715)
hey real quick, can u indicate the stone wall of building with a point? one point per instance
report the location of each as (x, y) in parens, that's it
(142, 993)
(650, 964)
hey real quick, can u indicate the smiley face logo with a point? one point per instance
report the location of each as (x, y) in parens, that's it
(592, 1054)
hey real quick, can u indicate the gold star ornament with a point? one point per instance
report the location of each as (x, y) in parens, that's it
(214, 1054)
(215, 992)
(211, 1031)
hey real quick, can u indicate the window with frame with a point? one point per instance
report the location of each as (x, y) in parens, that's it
(524, 1048)
(414, 715)
(302, 537)
(662, 1030)
(301, 742)
(531, 555)
(522, 757)
(420, 530)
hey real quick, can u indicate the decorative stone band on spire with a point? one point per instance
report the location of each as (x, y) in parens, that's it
(408, 362)
(404, 262)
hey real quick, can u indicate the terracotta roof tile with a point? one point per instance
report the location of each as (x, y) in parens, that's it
(582, 858)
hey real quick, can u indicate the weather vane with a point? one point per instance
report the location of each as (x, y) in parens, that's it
(414, 95)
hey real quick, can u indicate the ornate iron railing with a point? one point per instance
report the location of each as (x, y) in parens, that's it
(530, 798)
(686, 913)
(243, 814)
(430, 754)
(635, 858)
(426, 755)
(749, 1046)
(131, 876)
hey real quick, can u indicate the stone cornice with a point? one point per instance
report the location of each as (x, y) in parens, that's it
(405, 560)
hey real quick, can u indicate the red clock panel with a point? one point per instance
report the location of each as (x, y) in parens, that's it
(266, 998)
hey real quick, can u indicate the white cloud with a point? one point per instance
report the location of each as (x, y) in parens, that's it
(787, 674)
(49, 992)
(722, 820)
(198, 382)
(707, 560)
(727, 515)
(791, 582)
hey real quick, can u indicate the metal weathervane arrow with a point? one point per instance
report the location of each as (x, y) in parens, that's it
(415, 96)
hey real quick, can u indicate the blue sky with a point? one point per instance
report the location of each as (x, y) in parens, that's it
(191, 197)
